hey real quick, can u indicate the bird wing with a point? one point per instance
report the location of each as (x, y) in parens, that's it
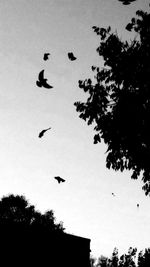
(126, 2)
(48, 129)
(45, 57)
(71, 56)
(38, 84)
(59, 179)
(46, 85)
(41, 75)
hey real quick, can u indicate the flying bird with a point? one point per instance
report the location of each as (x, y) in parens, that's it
(71, 56)
(59, 179)
(42, 81)
(113, 194)
(127, 2)
(45, 57)
(137, 205)
(43, 132)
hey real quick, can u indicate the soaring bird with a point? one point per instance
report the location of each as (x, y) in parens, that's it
(42, 81)
(43, 132)
(59, 179)
(45, 57)
(127, 2)
(71, 56)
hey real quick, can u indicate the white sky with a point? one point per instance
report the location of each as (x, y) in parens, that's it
(28, 164)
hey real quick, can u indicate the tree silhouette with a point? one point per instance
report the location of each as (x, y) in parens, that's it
(92, 261)
(118, 103)
(114, 258)
(125, 260)
(27, 237)
(144, 258)
(16, 211)
(128, 259)
(103, 261)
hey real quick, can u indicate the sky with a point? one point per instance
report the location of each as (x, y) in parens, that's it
(28, 164)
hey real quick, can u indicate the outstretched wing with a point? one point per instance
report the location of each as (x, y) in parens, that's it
(127, 2)
(41, 75)
(46, 85)
(62, 180)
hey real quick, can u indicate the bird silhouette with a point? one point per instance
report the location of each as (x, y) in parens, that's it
(59, 179)
(42, 81)
(127, 2)
(43, 132)
(137, 205)
(71, 56)
(113, 194)
(45, 57)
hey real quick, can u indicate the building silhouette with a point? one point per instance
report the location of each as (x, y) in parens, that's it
(31, 248)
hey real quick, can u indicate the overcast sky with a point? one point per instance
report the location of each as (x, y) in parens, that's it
(28, 164)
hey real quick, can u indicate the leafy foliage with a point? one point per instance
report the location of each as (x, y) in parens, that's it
(102, 261)
(129, 259)
(144, 258)
(118, 103)
(92, 261)
(16, 211)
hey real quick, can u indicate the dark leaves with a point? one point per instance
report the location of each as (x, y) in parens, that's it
(118, 102)
(129, 27)
(15, 211)
(101, 31)
(97, 138)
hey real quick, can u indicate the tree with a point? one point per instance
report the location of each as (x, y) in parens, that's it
(125, 260)
(144, 258)
(102, 262)
(92, 261)
(27, 237)
(128, 259)
(118, 103)
(114, 258)
(15, 211)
